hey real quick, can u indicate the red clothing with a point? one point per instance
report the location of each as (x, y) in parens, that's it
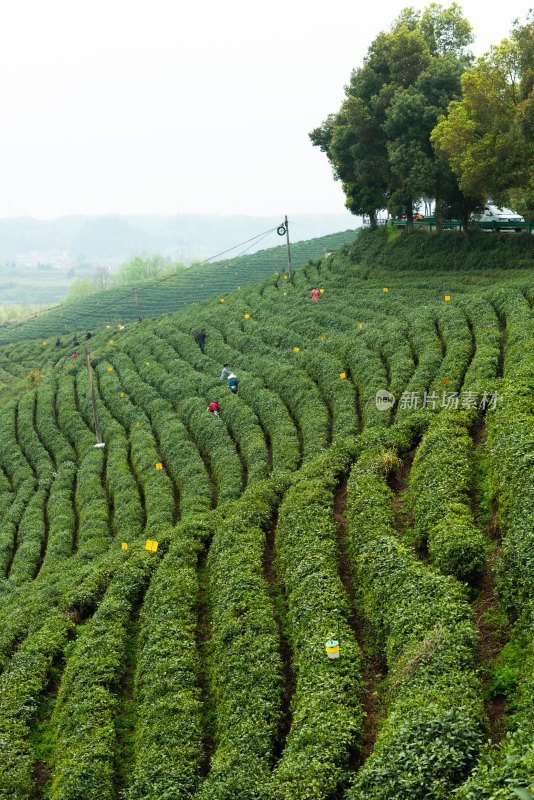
(315, 294)
(213, 407)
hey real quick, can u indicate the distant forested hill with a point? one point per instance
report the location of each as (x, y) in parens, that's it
(189, 286)
(182, 236)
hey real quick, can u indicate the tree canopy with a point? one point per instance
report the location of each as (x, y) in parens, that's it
(379, 141)
(421, 120)
(487, 135)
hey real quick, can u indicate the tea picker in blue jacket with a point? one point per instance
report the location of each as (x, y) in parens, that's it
(232, 383)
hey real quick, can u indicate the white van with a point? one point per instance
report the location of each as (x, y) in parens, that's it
(502, 215)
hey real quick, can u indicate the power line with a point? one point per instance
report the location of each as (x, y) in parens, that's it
(119, 295)
(217, 255)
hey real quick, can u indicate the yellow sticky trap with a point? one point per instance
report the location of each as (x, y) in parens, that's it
(137, 424)
(385, 289)
(342, 375)
(296, 349)
(110, 369)
(159, 465)
(361, 324)
(444, 380)
(222, 299)
(247, 316)
(124, 546)
(107, 326)
(111, 341)
(122, 394)
(44, 342)
(151, 545)
(321, 291)
(239, 287)
(285, 277)
(447, 297)
(323, 337)
(11, 344)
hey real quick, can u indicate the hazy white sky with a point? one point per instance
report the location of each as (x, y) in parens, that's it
(171, 106)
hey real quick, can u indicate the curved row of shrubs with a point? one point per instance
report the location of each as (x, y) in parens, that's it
(244, 663)
(327, 717)
(422, 625)
(169, 735)
(441, 483)
(510, 445)
(84, 715)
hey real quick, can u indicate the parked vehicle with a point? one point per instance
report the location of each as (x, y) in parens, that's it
(503, 216)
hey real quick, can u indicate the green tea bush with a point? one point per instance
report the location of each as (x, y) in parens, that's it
(441, 481)
(482, 372)
(53, 439)
(11, 456)
(449, 250)
(11, 523)
(167, 686)
(327, 718)
(422, 624)
(31, 538)
(20, 687)
(29, 441)
(244, 662)
(87, 701)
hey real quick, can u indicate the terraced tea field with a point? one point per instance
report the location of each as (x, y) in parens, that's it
(304, 514)
(118, 305)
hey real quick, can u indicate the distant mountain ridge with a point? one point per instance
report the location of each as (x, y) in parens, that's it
(182, 237)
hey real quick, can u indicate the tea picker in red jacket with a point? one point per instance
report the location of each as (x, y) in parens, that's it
(213, 408)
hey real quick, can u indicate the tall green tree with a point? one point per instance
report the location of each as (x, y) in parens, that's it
(141, 268)
(354, 139)
(355, 145)
(447, 32)
(379, 141)
(80, 288)
(410, 119)
(487, 135)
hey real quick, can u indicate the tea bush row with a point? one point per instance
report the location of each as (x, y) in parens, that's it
(245, 671)
(441, 483)
(327, 718)
(169, 734)
(84, 715)
(423, 626)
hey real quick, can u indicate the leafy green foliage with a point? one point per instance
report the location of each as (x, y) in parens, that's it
(423, 625)
(379, 141)
(486, 136)
(199, 669)
(440, 486)
(117, 305)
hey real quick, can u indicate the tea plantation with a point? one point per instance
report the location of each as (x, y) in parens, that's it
(310, 511)
(171, 293)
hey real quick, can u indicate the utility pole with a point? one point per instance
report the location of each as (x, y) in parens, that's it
(99, 442)
(290, 270)
(137, 303)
